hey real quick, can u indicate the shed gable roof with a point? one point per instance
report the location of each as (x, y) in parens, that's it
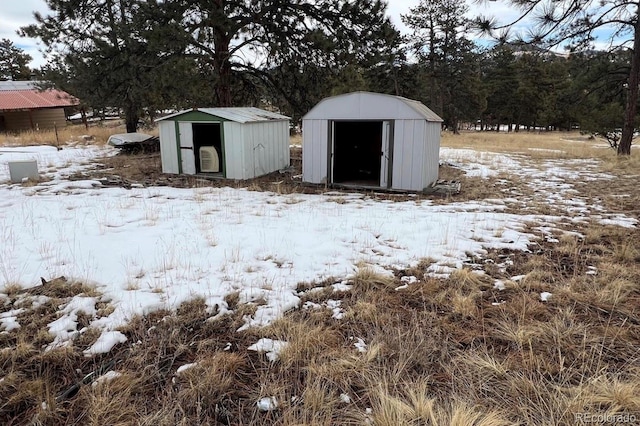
(237, 114)
(20, 95)
(369, 105)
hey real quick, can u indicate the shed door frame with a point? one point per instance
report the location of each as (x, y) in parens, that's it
(386, 162)
(186, 147)
(187, 155)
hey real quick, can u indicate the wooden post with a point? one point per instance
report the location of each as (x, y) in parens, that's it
(55, 128)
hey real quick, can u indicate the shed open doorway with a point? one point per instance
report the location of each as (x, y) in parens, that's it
(207, 146)
(360, 154)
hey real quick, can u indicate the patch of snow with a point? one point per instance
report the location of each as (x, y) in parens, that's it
(105, 343)
(9, 319)
(311, 305)
(105, 378)
(360, 345)
(410, 279)
(544, 296)
(555, 151)
(153, 248)
(345, 398)
(267, 404)
(334, 305)
(341, 286)
(517, 278)
(499, 285)
(65, 328)
(185, 367)
(269, 346)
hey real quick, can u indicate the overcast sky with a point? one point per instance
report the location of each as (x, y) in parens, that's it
(18, 13)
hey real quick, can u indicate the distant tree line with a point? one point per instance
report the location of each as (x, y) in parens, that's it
(147, 56)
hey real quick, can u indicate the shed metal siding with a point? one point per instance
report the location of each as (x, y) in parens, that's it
(315, 146)
(168, 147)
(432, 159)
(235, 156)
(254, 142)
(266, 148)
(409, 155)
(416, 136)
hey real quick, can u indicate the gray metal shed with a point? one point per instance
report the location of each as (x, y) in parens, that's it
(371, 140)
(235, 143)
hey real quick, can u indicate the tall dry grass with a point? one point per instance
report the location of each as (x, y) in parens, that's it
(72, 133)
(543, 145)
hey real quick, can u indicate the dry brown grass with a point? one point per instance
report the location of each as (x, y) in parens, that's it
(453, 351)
(73, 134)
(536, 145)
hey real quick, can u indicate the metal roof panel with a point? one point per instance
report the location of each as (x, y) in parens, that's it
(237, 114)
(17, 95)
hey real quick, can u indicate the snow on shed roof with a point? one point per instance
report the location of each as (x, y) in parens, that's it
(17, 95)
(237, 114)
(369, 105)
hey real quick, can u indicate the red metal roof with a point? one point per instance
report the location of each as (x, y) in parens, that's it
(31, 99)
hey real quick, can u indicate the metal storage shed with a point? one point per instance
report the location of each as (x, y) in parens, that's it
(234, 143)
(371, 140)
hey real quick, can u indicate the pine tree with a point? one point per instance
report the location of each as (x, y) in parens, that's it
(14, 63)
(254, 37)
(114, 53)
(577, 22)
(449, 59)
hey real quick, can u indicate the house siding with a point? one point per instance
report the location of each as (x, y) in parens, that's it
(41, 118)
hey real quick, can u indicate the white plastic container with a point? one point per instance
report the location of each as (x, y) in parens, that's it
(19, 171)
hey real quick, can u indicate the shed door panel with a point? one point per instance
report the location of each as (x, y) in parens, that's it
(385, 161)
(186, 149)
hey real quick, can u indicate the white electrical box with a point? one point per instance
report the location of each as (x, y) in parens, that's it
(19, 171)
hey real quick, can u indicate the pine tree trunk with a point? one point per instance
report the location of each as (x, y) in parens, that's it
(131, 118)
(221, 56)
(223, 85)
(624, 148)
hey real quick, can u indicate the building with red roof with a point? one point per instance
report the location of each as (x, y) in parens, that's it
(23, 106)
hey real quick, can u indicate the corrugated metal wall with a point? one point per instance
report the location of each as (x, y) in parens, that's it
(250, 149)
(255, 149)
(168, 147)
(266, 148)
(432, 158)
(315, 150)
(409, 154)
(41, 118)
(234, 151)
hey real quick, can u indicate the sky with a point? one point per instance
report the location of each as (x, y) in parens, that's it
(16, 14)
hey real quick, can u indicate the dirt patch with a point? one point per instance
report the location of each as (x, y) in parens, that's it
(129, 170)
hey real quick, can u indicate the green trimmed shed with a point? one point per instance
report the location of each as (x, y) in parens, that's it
(234, 143)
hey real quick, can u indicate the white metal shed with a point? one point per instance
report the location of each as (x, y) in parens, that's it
(234, 143)
(371, 140)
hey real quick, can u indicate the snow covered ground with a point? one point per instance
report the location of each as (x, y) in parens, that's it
(152, 248)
